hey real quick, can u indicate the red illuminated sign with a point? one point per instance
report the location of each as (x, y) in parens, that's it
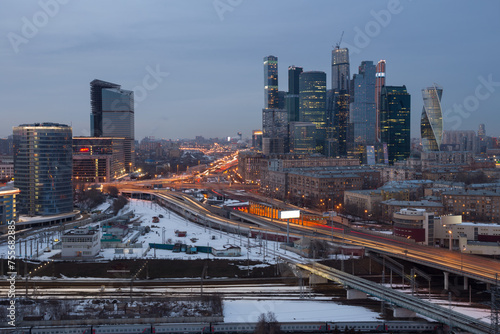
(84, 149)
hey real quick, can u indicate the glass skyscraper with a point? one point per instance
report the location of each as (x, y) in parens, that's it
(341, 123)
(431, 126)
(312, 103)
(340, 69)
(362, 111)
(43, 167)
(113, 115)
(379, 83)
(395, 122)
(292, 98)
(271, 99)
(303, 136)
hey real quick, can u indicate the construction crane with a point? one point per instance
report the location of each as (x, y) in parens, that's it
(337, 46)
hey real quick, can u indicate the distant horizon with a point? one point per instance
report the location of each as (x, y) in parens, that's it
(198, 70)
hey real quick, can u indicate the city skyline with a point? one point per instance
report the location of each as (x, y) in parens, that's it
(184, 62)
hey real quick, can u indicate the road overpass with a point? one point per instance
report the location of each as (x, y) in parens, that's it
(417, 305)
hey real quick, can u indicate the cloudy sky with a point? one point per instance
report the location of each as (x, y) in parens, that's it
(196, 66)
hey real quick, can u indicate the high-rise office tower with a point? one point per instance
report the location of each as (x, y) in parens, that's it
(274, 130)
(271, 98)
(257, 139)
(395, 122)
(342, 127)
(292, 98)
(379, 83)
(431, 125)
(312, 103)
(303, 136)
(362, 111)
(113, 115)
(340, 69)
(482, 130)
(281, 99)
(274, 118)
(43, 167)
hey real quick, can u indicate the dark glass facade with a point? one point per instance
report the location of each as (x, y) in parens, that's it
(303, 135)
(395, 122)
(312, 103)
(341, 123)
(340, 69)
(43, 168)
(379, 83)
(292, 98)
(271, 98)
(275, 127)
(113, 115)
(362, 109)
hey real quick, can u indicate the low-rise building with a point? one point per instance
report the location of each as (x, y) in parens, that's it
(475, 205)
(416, 224)
(116, 230)
(322, 187)
(6, 170)
(8, 210)
(98, 159)
(250, 165)
(227, 250)
(389, 207)
(362, 199)
(81, 242)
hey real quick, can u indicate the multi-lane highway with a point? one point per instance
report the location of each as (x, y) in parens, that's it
(483, 269)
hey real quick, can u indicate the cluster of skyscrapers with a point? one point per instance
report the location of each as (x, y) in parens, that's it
(358, 117)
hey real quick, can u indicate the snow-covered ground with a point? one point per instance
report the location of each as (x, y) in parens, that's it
(265, 251)
(164, 232)
(294, 310)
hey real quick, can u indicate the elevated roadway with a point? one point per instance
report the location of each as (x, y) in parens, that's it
(436, 312)
(467, 265)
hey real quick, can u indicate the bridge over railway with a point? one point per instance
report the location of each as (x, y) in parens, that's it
(417, 305)
(468, 266)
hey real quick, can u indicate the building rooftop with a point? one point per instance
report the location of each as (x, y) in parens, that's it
(47, 124)
(8, 189)
(480, 224)
(413, 203)
(81, 231)
(464, 192)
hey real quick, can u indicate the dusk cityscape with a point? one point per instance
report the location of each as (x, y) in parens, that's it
(232, 166)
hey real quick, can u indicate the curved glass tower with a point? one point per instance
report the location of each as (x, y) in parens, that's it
(431, 125)
(43, 167)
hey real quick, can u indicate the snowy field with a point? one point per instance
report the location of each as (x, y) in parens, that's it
(164, 232)
(295, 310)
(265, 251)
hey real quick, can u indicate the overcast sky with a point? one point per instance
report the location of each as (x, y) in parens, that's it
(206, 57)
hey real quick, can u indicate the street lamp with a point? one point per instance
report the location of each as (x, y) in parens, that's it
(464, 248)
(450, 234)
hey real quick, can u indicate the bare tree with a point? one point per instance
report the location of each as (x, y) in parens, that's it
(111, 190)
(119, 203)
(268, 324)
